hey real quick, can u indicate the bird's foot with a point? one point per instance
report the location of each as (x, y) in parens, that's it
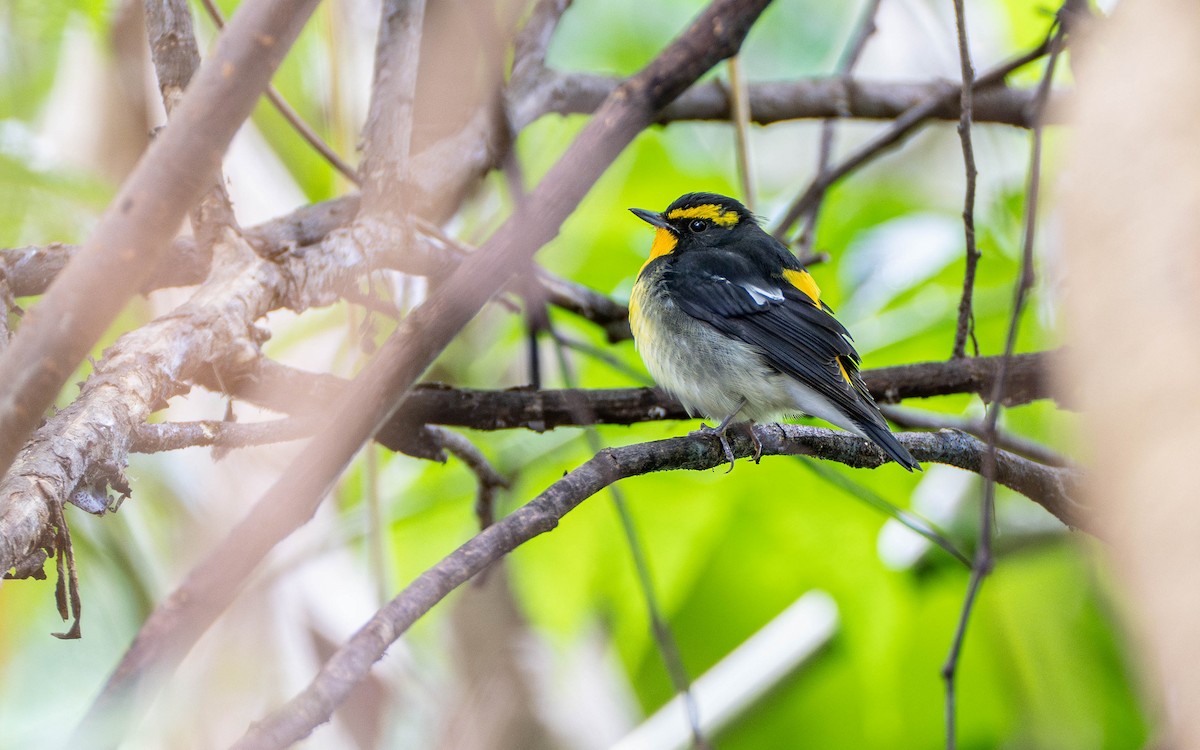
(719, 433)
(758, 446)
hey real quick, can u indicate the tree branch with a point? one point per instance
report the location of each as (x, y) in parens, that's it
(290, 114)
(130, 237)
(171, 629)
(845, 70)
(539, 410)
(905, 123)
(1052, 488)
(966, 310)
(553, 92)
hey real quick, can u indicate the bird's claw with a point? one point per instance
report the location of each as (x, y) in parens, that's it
(719, 434)
(758, 446)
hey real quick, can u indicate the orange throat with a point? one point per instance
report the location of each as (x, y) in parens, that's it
(664, 244)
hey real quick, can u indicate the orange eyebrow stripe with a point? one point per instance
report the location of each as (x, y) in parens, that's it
(804, 281)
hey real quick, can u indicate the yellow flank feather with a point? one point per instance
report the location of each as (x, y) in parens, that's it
(845, 375)
(804, 281)
(710, 211)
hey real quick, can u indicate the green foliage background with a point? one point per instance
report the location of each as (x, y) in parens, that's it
(1044, 663)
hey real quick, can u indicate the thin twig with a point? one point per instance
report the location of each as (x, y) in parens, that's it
(490, 480)
(291, 115)
(740, 107)
(983, 562)
(636, 375)
(377, 532)
(966, 312)
(908, 121)
(850, 57)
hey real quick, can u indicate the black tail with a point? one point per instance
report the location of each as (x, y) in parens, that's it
(880, 435)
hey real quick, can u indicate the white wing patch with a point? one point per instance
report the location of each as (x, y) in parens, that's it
(761, 296)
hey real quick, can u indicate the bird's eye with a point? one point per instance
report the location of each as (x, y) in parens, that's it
(698, 225)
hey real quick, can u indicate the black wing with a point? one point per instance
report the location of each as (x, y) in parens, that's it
(795, 334)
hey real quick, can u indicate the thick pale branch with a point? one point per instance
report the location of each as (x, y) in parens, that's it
(123, 249)
(1052, 488)
(173, 436)
(83, 447)
(173, 627)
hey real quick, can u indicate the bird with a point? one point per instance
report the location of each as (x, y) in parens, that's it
(727, 320)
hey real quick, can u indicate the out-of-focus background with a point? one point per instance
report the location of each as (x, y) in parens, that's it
(555, 648)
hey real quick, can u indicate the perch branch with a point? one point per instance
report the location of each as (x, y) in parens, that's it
(1052, 488)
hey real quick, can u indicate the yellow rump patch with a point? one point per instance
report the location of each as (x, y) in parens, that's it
(845, 375)
(664, 244)
(710, 211)
(804, 281)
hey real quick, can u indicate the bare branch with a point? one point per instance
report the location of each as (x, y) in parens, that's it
(387, 134)
(1021, 446)
(966, 312)
(176, 58)
(172, 47)
(850, 56)
(904, 123)
(173, 436)
(350, 664)
(170, 631)
(129, 239)
(553, 92)
(291, 115)
(539, 410)
(530, 45)
(490, 481)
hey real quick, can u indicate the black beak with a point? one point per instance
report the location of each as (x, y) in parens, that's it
(651, 217)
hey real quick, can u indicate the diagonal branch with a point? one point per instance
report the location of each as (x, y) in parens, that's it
(905, 123)
(139, 223)
(85, 445)
(850, 57)
(1052, 488)
(290, 114)
(174, 626)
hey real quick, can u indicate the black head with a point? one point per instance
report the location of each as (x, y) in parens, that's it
(701, 220)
